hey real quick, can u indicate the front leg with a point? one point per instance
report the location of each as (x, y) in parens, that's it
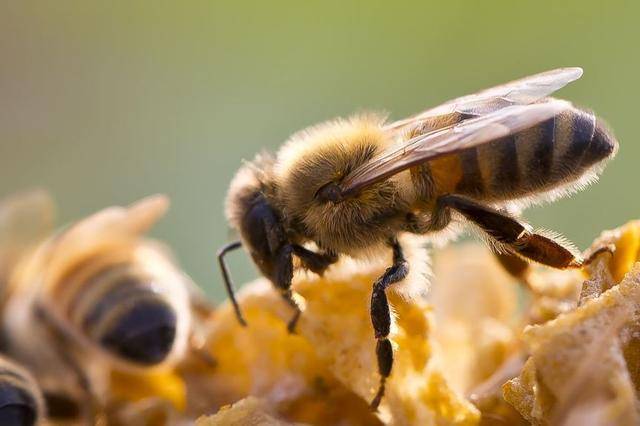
(381, 316)
(283, 274)
(282, 277)
(315, 262)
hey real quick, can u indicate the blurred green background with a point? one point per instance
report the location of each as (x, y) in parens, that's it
(103, 103)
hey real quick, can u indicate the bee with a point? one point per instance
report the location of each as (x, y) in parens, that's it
(21, 400)
(352, 186)
(94, 297)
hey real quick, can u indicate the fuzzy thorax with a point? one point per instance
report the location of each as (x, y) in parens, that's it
(325, 154)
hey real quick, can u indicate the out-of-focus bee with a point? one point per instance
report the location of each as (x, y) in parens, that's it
(94, 297)
(21, 401)
(351, 186)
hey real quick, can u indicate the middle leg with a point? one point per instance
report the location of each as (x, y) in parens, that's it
(315, 262)
(381, 317)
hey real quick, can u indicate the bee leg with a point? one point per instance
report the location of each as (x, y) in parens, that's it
(197, 347)
(61, 406)
(201, 310)
(441, 217)
(61, 342)
(381, 317)
(517, 267)
(315, 262)
(283, 276)
(422, 224)
(605, 249)
(227, 279)
(512, 234)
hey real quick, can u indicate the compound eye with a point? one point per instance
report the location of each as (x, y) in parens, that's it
(330, 192)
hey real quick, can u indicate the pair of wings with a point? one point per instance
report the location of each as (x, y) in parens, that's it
(27, 219)
(496, 112)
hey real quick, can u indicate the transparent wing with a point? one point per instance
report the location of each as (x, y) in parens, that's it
(26, 219)
(524, 91)
(468, 133)
(143, 214)
(135, 219)
(120, 225)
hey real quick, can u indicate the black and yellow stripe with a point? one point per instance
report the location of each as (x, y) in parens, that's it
(555, 152)
(115, 306)
(20, 396)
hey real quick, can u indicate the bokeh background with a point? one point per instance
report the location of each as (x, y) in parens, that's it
(106, 102)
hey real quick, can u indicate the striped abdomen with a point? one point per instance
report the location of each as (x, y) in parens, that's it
(117, 308)
(20, 397)
(554, 153)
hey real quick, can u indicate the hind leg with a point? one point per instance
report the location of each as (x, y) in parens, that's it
(516, 237)
(514, 265)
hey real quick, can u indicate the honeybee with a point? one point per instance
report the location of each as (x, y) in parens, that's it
(21, 401)
(352, 186)
(94, 297)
